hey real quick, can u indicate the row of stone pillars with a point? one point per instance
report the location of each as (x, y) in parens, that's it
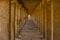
(11, 18)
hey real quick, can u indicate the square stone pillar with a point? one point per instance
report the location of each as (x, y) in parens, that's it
(4, 19)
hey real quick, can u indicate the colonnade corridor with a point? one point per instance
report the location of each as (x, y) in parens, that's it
(29, 19)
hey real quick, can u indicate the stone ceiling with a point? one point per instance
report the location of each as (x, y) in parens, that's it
(29, 5)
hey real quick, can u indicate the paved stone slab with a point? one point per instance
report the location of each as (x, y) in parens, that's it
(30, 31)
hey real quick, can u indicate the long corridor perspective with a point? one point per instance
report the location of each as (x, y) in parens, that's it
(29, 19)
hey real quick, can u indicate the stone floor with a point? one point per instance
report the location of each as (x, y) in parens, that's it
(30, 31)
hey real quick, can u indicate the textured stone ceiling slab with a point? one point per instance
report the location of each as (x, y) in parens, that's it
(29, 5)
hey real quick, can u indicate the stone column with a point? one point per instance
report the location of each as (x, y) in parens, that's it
(4, 19)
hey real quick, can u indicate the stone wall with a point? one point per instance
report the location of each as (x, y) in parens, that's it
(56, 19)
